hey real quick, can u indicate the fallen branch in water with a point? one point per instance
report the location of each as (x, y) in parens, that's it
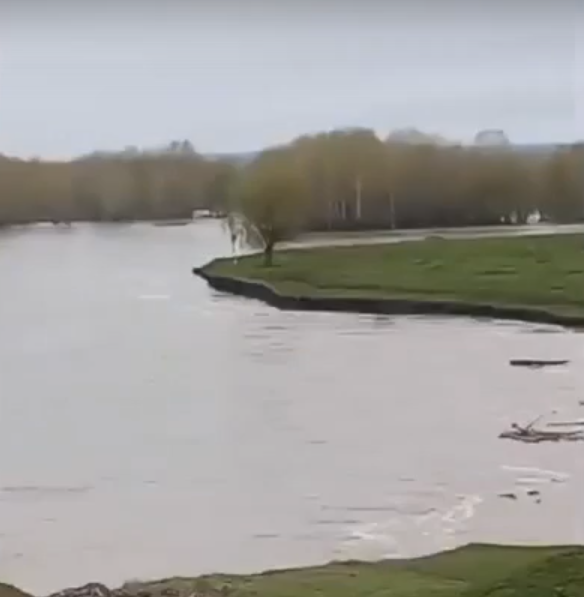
(530, 435)
(537, 363)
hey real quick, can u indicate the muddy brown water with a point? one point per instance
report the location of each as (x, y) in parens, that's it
(151, 427)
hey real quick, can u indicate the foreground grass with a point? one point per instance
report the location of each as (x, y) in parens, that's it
(10, 591)
(534, 271)
(472, 571)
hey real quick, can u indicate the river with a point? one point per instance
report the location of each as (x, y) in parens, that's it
(151, 427)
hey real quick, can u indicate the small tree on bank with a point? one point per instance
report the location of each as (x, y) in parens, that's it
(271, 197)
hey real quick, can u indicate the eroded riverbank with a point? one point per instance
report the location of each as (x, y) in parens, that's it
(262, 291)
(526, 278)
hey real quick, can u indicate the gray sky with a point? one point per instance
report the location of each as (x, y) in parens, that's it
(237, 75)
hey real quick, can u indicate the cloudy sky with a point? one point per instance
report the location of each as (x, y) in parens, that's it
(234, 75)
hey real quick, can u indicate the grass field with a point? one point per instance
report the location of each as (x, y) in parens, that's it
(472, 571)
(536, 271)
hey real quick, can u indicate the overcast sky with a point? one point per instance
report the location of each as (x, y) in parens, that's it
(235, 75)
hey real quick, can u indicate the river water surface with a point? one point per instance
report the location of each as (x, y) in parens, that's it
(151, 427)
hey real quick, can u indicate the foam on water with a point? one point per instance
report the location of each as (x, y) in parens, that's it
(403, 536)
(536, 475)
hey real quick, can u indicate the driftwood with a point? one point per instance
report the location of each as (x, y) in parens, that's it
(511, 495)
(537, 363)
(530, 435)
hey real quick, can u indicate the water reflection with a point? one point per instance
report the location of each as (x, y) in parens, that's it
(150, 427)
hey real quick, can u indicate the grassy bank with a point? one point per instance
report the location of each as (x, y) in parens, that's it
(471, 571)
(544, 272)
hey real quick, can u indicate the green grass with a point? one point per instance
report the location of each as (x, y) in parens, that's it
(561, 575)
(534, 271)
(472, 571)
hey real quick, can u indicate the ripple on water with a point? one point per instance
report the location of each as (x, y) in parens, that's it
(19, 493)
(154, 297)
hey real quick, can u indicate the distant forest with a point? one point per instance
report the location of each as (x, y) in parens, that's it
(352, 180)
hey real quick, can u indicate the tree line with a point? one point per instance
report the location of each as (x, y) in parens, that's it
(348, 180)
(130, 185)
(339, 180)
